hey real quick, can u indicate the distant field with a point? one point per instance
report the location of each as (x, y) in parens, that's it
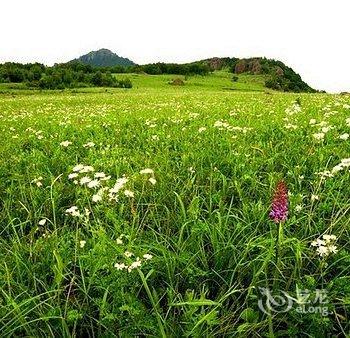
(219, 80)
(145, 212)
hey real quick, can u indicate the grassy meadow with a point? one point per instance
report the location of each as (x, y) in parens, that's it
(145, 212)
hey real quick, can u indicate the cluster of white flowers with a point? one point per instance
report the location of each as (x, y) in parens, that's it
(326, 245)
(344, 136)
(294, 109)
(193, 115)
(324, 128)
(221, 125)
(324, 174)
(80, 168)
(86, 180)
(38, 181)
(290, 111)
(344, 163)
(312, 121)
(65, 143)
(84, 175)
(151, 123)
(347, 121)
(89, 145)
(73, 211)
(202, 129)
(149, 171)
(318, 136)
(36, 133)
(137, 263)
(315, 198)
(42, 221)
(98, 197)
(113, 193)
(290, 126)
(120, 239)
(191, 170)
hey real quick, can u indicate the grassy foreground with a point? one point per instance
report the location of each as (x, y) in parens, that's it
(177, 242)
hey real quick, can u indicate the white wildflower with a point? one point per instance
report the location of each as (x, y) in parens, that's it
(128, 254)
(147, 171)
(337, 168)
(93, 184)
(120, 266)
(152, 180)
(322, 251)
(89, 145)
(135, 265)
(78, 168)
(128, 193)
(118, 186)
(73, 211)
(147, 257)
(312, 121)
(318, 242)
(73, 175)
(87, 169)
(97, 198)
(314, 197)
(345, 162)
(318, 136)
(65, 143)
(332, 249)
(325, 129)
(325, 246)
(85, 180)
(100, 175)
(298, 208)
(325, 174)
(38, 182)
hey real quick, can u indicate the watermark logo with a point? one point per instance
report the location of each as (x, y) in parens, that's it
(305, 301)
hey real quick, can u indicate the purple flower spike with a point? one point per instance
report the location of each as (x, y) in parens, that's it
(279, 208)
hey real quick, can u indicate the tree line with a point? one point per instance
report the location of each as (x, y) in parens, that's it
(76, 74)
(60, 76)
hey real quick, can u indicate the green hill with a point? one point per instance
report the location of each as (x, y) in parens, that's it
(277, 75)
(104, 58)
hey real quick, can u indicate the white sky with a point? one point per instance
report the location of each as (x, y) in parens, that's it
(311, 36)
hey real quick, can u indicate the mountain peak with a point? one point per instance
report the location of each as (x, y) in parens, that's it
(104, 58)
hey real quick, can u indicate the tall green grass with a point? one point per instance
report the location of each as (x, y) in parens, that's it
(205, 221)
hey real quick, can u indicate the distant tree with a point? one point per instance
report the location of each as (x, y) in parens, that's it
(96, 79)
(240, 66)
(124, 83)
